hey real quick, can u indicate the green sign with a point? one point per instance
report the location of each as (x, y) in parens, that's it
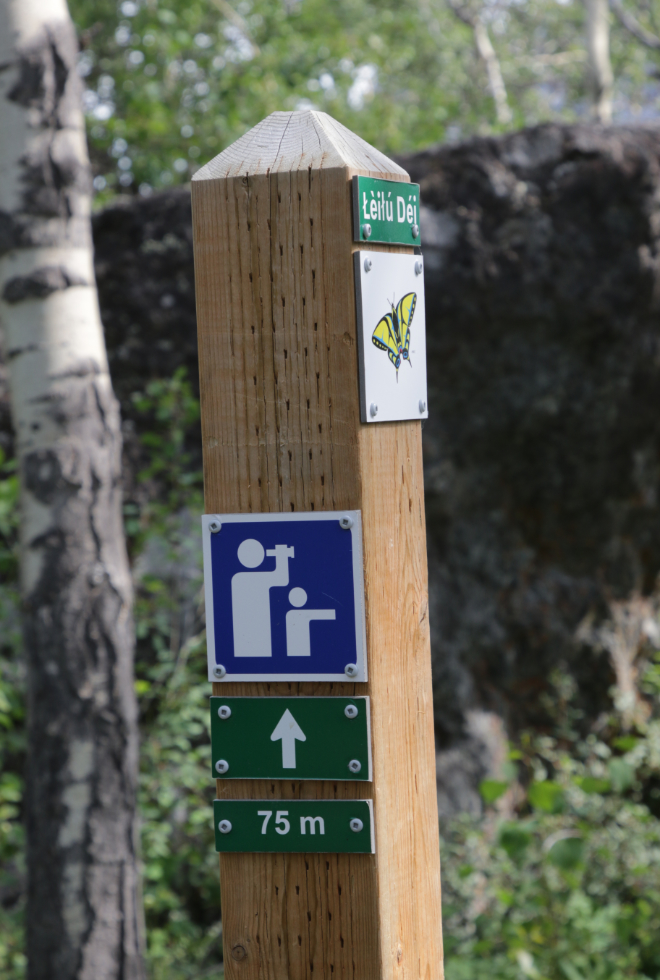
(307, 826)
(385, 211)
(285, 738)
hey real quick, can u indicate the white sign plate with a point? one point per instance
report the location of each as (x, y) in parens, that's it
(284, 596)
(391, 336)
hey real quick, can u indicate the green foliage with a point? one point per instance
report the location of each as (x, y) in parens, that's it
(170, 83)
(12, 734)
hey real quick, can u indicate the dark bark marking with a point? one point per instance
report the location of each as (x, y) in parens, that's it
(41, 283)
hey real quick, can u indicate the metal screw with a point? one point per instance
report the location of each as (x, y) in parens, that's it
(224, 712)
(367, 265)
(415, 231)
(214, 526)
(354, 765)
(351, 711)
(221, 766)
(356, 825)
(225, 827)
(366, 231)
(346, 522)
(418, 268)
(422, 406)
(351, 670)
(219, 671)
(373, 410)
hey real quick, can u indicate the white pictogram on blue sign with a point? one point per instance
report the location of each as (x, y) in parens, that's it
(284, 596)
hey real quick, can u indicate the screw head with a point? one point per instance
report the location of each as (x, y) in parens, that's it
(354, 765)
(221, 766)
(346, 522)
(351, 670)
(351, 711)
(224, 826)
(415, 231)
(356, 825)
(367, 265)
(214, 526)
(422, 406)
(366, 231)
(219, 671)
(224, 712)
(418, 268)
(373, 410)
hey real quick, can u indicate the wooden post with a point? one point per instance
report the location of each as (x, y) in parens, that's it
(281, 432)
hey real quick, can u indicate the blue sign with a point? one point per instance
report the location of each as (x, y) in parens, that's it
(284, 596)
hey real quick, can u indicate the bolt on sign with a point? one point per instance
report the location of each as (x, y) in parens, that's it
(385, 211)
(285, 738)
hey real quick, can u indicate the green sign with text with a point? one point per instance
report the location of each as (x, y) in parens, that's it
(385, 211)
(290, 738)
(294, 826)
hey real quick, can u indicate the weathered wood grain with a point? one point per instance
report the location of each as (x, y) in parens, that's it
(281, 432)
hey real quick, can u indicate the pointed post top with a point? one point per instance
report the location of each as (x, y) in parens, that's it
(301, 140)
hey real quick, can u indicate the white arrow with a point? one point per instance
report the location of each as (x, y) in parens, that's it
(288, 730)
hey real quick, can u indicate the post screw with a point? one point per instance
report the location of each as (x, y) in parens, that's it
(422, 406)
(225, 827)
(366, 231)
(351, 670)
(373, 410)
(346, 522)
(221, 766)
(214, 526)
(355, 765)
(418, 268)
(224, 712)
(351, 711)
(219, 671)
(367, 265)
(415, 231)
(356, 825)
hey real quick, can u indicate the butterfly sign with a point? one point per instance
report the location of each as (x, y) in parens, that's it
(391, 334)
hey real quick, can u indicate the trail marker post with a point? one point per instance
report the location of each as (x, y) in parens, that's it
(321, 876)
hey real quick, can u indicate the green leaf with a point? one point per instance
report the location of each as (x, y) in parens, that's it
(622, 775)
(590, 784)
(547, 796)
(491, 790)
(567, 853)
(514, 839)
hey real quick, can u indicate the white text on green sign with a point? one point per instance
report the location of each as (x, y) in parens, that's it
(385, 211)
(294, 826)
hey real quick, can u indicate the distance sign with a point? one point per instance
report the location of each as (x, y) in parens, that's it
(294, 826)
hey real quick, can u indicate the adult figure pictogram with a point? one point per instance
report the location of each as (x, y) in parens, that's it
(250, 597)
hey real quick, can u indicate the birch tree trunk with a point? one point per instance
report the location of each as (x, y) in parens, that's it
(83, 917)
(600, 66)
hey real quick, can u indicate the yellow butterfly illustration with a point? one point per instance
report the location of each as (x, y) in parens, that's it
(392, 333)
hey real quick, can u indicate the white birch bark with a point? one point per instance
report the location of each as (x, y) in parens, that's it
(600, 67)
(83, 911)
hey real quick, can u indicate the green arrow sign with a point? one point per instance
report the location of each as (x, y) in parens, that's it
(385, 211)
(308, 826)
(284, 738)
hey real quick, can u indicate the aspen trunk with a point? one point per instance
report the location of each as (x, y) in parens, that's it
(600, 66)
(83, 912)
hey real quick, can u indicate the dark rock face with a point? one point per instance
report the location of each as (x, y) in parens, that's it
(542, 446)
